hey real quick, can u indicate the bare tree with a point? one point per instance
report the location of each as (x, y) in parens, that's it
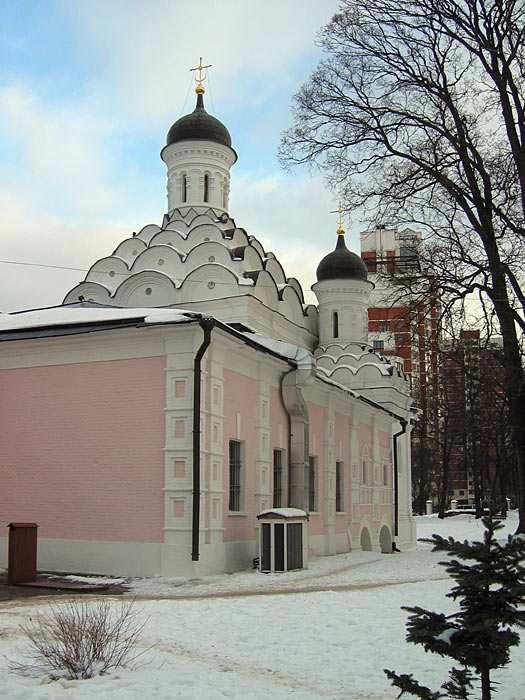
(417, 114)
(473, 400)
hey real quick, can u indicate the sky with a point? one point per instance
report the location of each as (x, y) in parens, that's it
(88, 91)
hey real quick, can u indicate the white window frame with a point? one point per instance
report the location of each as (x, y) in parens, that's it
(281, 468)
(236, 475)
(313, 491)
(335, 324)
(339, 486)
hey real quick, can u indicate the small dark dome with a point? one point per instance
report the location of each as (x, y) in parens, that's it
(341, 264)
(199, 125)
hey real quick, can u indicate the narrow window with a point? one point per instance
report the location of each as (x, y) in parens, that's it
(364, 472)
(339, 490)
(278, 479)
(312, 484)
(335, 324)
(406, 252)
(206, 188)
(385, 475)
(236, 475)
(184, 188)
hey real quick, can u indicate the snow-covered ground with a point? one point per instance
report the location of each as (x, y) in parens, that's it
(324, 633)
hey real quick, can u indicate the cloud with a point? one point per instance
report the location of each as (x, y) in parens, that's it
(147, 48)
(80, 165)
(292, 218)
(30, 234)
(63, 150)
(63, 197)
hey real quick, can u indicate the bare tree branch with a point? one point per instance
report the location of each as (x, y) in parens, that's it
(417, 114)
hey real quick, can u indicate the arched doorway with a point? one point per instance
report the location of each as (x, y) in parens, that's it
(385, 540)
(366, 540)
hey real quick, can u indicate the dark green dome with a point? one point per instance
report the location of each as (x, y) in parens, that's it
(341, 264)
(199, 125)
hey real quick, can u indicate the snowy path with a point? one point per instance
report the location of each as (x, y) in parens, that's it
(283, 590)
(252, 637)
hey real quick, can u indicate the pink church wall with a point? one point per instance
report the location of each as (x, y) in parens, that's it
(386, 505)
(239, 398)
(278, 416)
(317, 427)
(84, 454)
(365, 439)
(384, 440)
(343, 431)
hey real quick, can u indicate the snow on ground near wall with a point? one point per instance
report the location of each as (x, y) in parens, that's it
(300, 645)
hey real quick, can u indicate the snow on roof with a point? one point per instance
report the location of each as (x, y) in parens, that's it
(383, 369)
(292, 352)
(345, 354)
(78, 314)
(283, 512)
(329, 380)
(90, 313)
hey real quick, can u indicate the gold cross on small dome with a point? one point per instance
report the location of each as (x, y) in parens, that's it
(200, 87)
(339, 211)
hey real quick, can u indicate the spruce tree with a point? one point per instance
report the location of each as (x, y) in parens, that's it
(490, 590)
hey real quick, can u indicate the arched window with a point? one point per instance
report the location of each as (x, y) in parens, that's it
(335, 324)
(184, 188)
(206, 187)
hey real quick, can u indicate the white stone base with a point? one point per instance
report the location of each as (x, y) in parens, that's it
(239, 555)
(79, 556)
(407, 533)
(342, 543)
(137, 559)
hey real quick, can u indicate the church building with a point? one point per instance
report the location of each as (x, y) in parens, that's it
(184, 387)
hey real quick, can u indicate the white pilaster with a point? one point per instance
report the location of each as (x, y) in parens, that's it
(329, 481)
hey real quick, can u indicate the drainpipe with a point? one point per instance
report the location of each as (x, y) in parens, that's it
(207, 325)
(299, 428)
(396, 479)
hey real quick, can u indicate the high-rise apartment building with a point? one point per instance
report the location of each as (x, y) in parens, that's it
(402, 323)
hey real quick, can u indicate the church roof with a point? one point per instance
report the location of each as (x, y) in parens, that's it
(199, 258)
(341, 263)
(87, 317)
(199, 125)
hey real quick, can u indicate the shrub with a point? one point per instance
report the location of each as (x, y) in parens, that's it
(78, 639)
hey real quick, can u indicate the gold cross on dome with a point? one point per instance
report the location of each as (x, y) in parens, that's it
(200, 87)
(339, 211)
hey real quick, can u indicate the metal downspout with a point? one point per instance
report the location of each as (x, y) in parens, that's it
(396, 475)
(207, 325)
(299, 433)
